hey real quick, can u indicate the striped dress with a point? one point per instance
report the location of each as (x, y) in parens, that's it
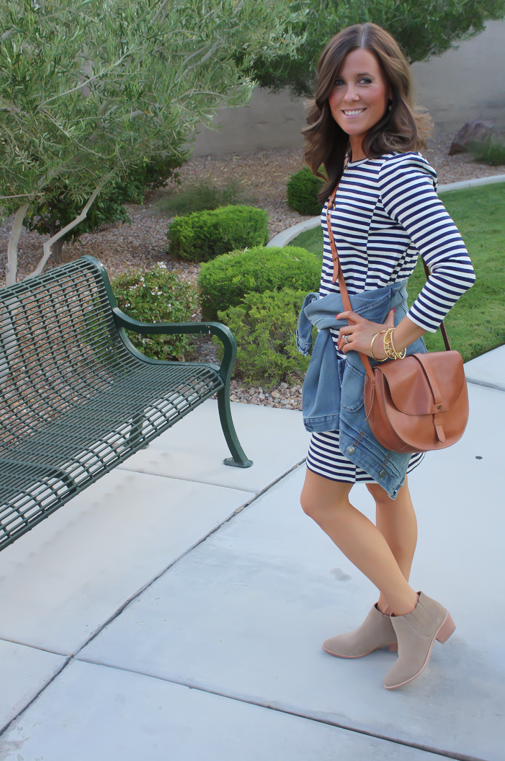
(386, 213)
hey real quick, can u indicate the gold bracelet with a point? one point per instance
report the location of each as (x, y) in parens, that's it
(371, 347)
(389, 346)
(398, 354)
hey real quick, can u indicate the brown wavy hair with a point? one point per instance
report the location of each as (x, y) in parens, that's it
(402, 129)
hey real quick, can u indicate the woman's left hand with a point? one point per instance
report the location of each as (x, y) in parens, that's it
(358, 335)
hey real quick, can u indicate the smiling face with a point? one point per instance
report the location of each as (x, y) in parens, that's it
(360, 97)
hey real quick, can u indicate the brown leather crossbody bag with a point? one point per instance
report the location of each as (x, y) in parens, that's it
(414, 404)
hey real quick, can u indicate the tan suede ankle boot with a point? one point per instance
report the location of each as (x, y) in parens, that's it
(416, 634)
(375, 631)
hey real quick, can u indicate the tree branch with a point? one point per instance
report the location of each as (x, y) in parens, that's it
(20, 195)
(64, 231)
(206, 57)
(11, 269)
(76, 142)
(86, 82)
(159, 12)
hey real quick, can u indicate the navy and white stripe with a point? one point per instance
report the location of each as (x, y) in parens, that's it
(386, 213)
(325, 458)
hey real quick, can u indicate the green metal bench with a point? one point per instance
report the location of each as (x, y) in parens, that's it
(77, 398)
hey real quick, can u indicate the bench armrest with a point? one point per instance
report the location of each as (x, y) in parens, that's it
(159, 328)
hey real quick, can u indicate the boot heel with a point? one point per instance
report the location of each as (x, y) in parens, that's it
(393, 648)
(446, 629)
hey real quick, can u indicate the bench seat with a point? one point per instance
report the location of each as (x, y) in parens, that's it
(78, 398)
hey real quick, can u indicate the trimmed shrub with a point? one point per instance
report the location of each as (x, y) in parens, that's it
(157, 296)
(264, 325)
(205, 234)
(226, 280)
(303, 188)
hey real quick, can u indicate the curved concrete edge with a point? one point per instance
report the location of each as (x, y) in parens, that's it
(471, 183)
(282, 239)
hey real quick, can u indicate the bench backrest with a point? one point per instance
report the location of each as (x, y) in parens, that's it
(58, 346)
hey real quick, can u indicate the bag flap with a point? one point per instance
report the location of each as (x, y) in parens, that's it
(409, 384)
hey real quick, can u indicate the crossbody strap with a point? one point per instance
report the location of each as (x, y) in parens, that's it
(339, 275)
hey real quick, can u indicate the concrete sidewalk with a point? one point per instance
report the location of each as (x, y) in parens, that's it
(176, 609)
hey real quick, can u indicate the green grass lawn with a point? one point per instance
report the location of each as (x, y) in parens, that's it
(477, 323)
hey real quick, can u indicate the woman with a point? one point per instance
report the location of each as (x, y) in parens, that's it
(366, 132)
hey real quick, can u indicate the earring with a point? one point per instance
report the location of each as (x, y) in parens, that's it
(390, 107)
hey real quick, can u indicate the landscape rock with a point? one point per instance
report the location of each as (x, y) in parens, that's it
(475, 129)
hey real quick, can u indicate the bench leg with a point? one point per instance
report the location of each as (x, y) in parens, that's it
(137, 423)
(238, 459)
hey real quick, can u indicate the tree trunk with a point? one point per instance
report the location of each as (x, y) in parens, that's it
(56, 249)
(11, 270)
(57, 245)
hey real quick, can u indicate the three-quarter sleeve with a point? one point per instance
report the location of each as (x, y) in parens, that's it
(408, 186)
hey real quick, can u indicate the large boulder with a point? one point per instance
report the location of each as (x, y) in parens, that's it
(475, 129)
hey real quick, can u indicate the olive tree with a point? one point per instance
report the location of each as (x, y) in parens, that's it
(90, 89)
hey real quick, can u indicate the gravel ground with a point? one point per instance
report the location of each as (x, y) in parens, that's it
(264, 175)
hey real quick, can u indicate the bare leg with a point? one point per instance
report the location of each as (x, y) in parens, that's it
(396, 520)
(360, 540)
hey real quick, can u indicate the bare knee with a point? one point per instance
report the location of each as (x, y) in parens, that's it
(308, 500)
(313, 501)
(316, 509)
(320, 496)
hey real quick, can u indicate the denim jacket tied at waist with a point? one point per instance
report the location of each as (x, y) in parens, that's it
(333, 389)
